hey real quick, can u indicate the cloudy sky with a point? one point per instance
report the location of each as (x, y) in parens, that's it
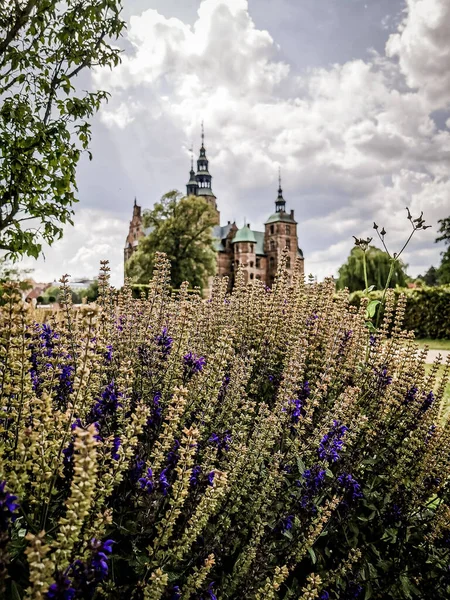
(351, 98)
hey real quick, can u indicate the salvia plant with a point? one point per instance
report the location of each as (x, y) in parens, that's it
(261, 444)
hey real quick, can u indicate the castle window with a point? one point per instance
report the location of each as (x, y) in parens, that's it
(251, 275)
(237, 263)
(251, 248)
(251, 264)
(258, 263)
(272, 245)
(258, 276)
(272, 229)
(288, 230)
(237, 247)
(288, 262)
(288, 244)
(271, 262)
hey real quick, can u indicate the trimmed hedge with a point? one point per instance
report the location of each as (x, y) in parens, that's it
(427, 309)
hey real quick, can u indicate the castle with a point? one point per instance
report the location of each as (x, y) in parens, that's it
(257, 252)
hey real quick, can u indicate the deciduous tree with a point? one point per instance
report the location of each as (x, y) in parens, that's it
(181, 227)
(44, 120)
(444, 268)
(351, 274)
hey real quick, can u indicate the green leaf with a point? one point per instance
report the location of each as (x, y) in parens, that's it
(371, 308)
(312, 555)
(15, 592)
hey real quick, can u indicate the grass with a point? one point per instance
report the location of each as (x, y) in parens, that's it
(434, 344)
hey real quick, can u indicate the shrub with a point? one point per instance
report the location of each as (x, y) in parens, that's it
(427, 311)
(258, 445)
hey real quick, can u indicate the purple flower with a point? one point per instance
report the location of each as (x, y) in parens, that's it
(146, 482)
(8, 507)
(324, 596)
(176, 593)
(222, 441)
(351, 487)
(393, 515)
(353, 591)
(344, 341)
(163, 482)
(311, 320)
(62, 589)
(156, 410)
(429, 399)
(164, 341)
(108, 353)
(211, 477)
(383, 379)
(331, 443)
(136, 470)
(286, 523)
(172, 456)
(372, 340)
(313, 479)
(193, 479)
(120, 323)
(68, 461)
(115, 448)
(99, 557)
(65, 385)
(210, 591)
(193, 364)
(107, 404)
(410, 395)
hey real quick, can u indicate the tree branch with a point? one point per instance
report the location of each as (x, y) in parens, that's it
(21, 21)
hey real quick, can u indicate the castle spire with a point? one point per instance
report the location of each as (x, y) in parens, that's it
(192, 184)
(203, 136)
(280, 203)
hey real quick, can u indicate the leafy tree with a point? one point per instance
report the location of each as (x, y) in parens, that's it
(181, 227)
(431, 277)
(44, 122)
(444, 268)
(10, 273)
(351, 274)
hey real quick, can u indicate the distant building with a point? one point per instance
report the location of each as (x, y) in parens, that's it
(257, 252)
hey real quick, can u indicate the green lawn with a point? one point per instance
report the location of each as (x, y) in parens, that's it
(435, 344)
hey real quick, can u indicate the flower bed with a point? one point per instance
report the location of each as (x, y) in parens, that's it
(260, 445)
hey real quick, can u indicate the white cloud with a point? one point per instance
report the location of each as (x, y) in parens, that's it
(422, 47)
(354, 142)
(96, 236)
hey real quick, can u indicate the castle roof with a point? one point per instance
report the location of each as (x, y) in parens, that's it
(282, 216)
(245, 234)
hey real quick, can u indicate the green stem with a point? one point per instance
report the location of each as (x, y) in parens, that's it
(365, 273)
(388, 281)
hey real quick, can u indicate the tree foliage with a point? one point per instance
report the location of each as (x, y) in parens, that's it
(444, 268)
(351, 274)
(44, 120)
(431, 277)
(181, 227)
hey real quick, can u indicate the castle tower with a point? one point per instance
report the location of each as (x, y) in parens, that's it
(192, 184)
(244, 247)
(135, 231)
(200, 183)
(280, 233)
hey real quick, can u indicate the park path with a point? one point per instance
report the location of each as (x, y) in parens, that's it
(433, 354)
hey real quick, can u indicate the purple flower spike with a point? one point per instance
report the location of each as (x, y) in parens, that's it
(163, 482)
(331, 443)
(8, 508)
(146, 483)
